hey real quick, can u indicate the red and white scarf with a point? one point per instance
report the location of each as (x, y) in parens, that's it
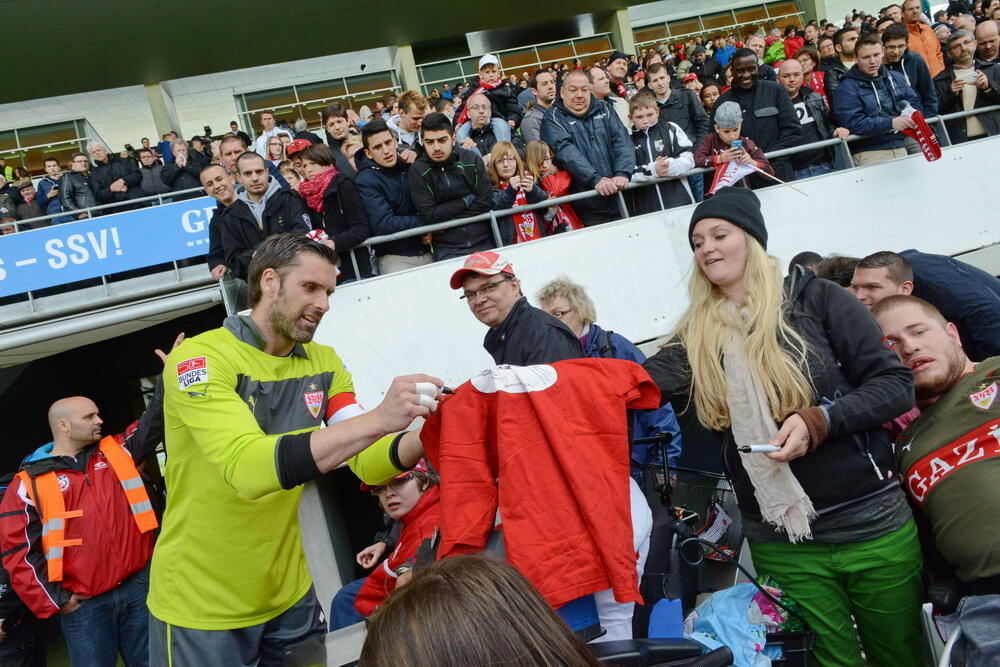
(526, 226)
(313, 189)
(483, 87)
(923, 135)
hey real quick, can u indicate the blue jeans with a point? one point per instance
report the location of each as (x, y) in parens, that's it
(697, 183)
(111, 624)
(814, 170)
(342, 611)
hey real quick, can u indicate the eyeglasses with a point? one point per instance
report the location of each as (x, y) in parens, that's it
(485, 289)
(559, 314)
(548, 159)
(506, 160)
(394, 486)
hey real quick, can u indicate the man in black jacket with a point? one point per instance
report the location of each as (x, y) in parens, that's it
(520, 334)
(592, 145)
(337, 128)
(968, 84)
(768, 115)
(114, 179)
(384, 190)
(446, 183)
(707, 69)
(220, 185)
(263, 208)
(814, 117)
(836, 67)
(76, 190)
(913, 68)
(182, 173)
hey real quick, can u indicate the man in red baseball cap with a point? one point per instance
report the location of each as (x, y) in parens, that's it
(520, 334)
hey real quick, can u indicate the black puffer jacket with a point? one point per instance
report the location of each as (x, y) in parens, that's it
(683, 109)
(102, 175)
(76, 191)
(184, 178)
(531, 336)
(857, 378)
(455, 188)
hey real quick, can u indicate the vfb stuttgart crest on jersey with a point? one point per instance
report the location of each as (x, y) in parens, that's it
(314, 401)
(984, 398)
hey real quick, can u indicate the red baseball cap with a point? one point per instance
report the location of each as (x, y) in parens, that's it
(296, 146)
(485, 264)
(421, 466)
(690, 77)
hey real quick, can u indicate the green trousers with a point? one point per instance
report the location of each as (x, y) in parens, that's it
(875, 584)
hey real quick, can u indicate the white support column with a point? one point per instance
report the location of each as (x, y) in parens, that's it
(406, 65)
(621, 31)
(162, 106)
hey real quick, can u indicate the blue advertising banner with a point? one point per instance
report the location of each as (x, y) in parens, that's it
(114, 243)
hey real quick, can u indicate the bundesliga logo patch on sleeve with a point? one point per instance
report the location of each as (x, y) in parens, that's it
(191, 372)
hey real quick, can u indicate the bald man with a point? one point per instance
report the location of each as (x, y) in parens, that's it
(482, 135)
(814, 116)
(91, 564)
(988, 42)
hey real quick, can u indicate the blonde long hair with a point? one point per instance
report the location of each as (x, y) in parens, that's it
(776, 353)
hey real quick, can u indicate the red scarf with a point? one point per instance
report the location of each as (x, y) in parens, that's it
(923, 135)
(313, 189)
(557, 185)
(526, 227)
(483, 87)
(620, 89)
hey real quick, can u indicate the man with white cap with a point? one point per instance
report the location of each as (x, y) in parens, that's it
(520, 334)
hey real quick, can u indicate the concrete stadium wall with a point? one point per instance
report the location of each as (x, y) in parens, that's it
(636, 270)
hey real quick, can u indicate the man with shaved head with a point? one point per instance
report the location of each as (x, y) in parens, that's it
(481, 136)
(76, 531)
(814, 117)
(988, 42)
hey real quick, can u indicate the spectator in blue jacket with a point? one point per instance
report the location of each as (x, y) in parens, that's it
(871, 101)
(48, 191)
(383, 186)
(592, 145)
(568, 302)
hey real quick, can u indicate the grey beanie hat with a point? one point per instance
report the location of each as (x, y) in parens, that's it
(729, 115)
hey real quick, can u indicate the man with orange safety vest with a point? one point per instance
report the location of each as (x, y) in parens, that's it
(76, 531)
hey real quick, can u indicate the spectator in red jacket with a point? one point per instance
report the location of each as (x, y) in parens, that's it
(91, 564)
(412, 499)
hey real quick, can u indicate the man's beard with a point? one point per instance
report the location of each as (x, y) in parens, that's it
(956, 364)
(286, 324)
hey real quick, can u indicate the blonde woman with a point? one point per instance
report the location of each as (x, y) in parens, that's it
(555, 182)
(513, 186)
(803, 368)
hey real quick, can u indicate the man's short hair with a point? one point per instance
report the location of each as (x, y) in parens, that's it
(838, 37)
(957, 35)
(266, 111)
(229, 138)
(210, 165)
(869, 39)
(896, 300)
(899, 269)
(838, 269)
(642, 100)
(576, 72)
(249, 155)
(334, 109)
(178, 142)
(533, 81)
(51, 159)
(411, 99)
(654, 68)
(882, 21)
(441, 104)
(743, 53)
(281, 253)
(371, 128)
(138, 152)
(434, 122)
(587, 71)
(806, 258)
(78, 154)
(895, 31)
(822, 39)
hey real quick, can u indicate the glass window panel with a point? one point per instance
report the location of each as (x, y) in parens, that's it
(685, 27)
(438, 71)
(34, 159)
(751, 14)
(650, 34)
(553, 52)
(791, 20)
(13, 159)
(715, 21)
(268, 99)
(7, 140)
(517, 60)
(363, 83)
(782, 8)
(469, 68)
(594, 44)
(321, 90)
(47, 134)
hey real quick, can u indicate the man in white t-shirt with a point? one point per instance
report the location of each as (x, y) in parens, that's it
(267, 130)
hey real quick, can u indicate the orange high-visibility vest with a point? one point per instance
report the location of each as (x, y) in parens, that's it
(52, 508)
